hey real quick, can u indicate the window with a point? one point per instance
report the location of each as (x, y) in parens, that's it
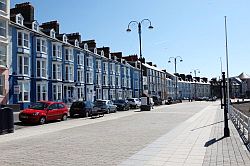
(41, 45)
(118, 69)
(24, 95)
(118, 81)
(98, 79)
(98, 64)
(2, 82)
(89, 62)
(42, 91)
(98, 94)
(80, 59)
(52, 33)
(3, 55)
(35, 26)
(57, 51)
(41, 68)
(76, 43)
(3, 30)
(57, 92)
(105, 66)
(19, 19)
(85, 46)
(69, 73)
(80, 92)
(112, 94)
(57, 71)
(68, 54)
(105, 80)
(23, 39)
(65, 39)
(3, 5)
(112, 80)
(23, 64)
(89, 78)
(80, 75)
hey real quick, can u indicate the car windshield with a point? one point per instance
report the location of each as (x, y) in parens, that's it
(78, 104)
(39, 106)
(130, 99)
(100, 103)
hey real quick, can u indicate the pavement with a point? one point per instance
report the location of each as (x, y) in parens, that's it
(197, 141)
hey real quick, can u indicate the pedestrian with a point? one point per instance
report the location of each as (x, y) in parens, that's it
(151, 103)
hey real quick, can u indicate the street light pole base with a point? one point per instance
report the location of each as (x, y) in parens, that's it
(226, 132)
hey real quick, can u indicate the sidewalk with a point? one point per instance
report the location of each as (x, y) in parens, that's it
(197, 141)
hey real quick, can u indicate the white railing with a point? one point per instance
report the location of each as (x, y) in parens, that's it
(241, 122)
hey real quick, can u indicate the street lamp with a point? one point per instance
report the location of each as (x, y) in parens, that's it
(175, 61)
(195, 70)
(139, 32)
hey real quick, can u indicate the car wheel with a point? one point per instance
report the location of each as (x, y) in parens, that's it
(86, 114)
(64, 117)
(42, 120)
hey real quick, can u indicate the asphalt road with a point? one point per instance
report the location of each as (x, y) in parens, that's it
(102, 141)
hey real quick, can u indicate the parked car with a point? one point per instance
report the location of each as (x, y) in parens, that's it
(44, 111)
(84, 109)
(157, 100)
(134, 102)
(105, 106)
(122, 105)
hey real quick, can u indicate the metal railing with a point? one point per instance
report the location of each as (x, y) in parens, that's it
(241, 122)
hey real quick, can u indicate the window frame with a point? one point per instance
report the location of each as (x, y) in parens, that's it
(41, 93)
(22, 65)
(22, 83)
(2, 84)
(3, 56)
(42, 69)
(22, 40)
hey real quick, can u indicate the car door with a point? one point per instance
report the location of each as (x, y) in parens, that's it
(112, 106)
(52, 113)
(61, 110)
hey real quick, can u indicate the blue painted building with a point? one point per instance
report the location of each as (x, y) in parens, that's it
(49, 65)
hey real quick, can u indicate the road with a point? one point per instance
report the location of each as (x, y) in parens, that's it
(102, 141)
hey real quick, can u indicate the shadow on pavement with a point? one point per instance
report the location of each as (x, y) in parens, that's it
(212, 141)
(207, 125)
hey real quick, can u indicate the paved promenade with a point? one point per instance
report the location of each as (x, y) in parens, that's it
(197, 141)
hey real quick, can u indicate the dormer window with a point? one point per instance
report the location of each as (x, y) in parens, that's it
(3, 5)
(76, 43)
(65, 39)
(52, 33)
(86, 46)
(95, 50)
(35, 26)
(19, 19)
(102, 53)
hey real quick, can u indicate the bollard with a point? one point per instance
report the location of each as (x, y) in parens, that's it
(9, 120)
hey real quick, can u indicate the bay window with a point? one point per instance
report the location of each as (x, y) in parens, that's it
(98, 94)
(80, 92)
(69, 54)
(3, 29)
(23, 64)
(105, 66)
(41, 45)
(3, 55)
(57, 92)
(69, 73)
(105, 80)
(98, 64)
(57, 71)
(89, 62)
(3, 5)
(89, 78)
(98, 79)
(42, 90)
(24, 95)
(41, 68)
(80, 75)
(57, 51)
(23, 39)
(80, 59)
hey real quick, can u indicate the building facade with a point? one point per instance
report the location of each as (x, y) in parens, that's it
(4, 50)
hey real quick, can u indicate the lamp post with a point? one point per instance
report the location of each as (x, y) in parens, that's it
(139, 32)
(175, 61)
(195, 90)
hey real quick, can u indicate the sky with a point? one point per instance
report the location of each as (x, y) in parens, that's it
(191, 29)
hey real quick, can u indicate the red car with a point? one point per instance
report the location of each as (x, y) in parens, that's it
(44, 111)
